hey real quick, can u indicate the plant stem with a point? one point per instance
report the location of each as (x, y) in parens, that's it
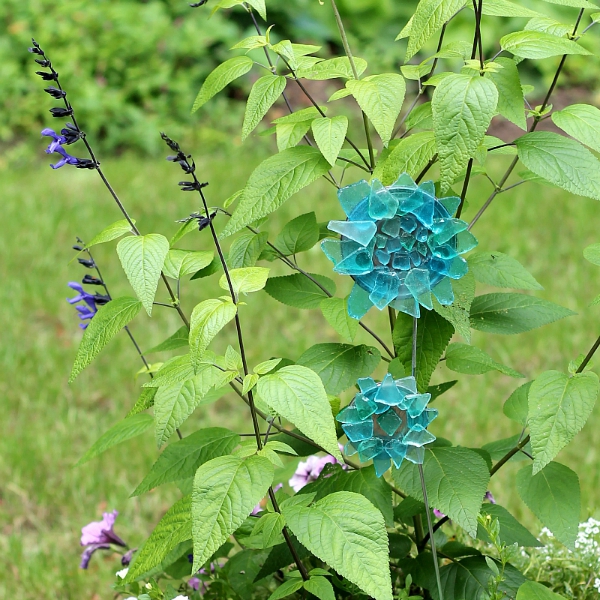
(463, 194)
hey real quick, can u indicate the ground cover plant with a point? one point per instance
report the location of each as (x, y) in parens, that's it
(343, 535)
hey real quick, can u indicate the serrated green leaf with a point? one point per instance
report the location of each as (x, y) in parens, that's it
(246, 249)
(298, 235)
(259, 6)
(511, 531)
(208, 318)
(511, 103)
(340, 365)
(554, 498)
(458, 312)
(429, 18)
(226, 489)
(536, 45)
(411, 155)
(297, 394)
(505, 8)
(433, 335)
(177, 340)
(273, 182)
(263, 95)
(320, 587)
(289, 135)
(181, 459)
(222, 76)
(124, 430)
(562, 161)
(548, 25)
(298, 291)
(145, 401)
(470, 360)
(107, 322)
(559, 406)
(173, 404)
(269, 526)
(500, 270)
(463, 107)
(335, 311)
(301, 116)
(582, 122)
(329, 135)
(175, 527)
(249, 382)
(142, 258)
(347, 532)
(112, 232)
(420, 116)
(245, 280)
(287, 588)
(511, 313)
(440, 388)
(573, 3)
(380, 97)
(268, 365)
(516, 406)
(456, 480)
(183, 262)
(532, 590)
(333, 68)
(174, 370)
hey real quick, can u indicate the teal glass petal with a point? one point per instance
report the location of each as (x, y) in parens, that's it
(443, 292)
(357, 432)
(396, 450)
(391, 227)
(358, 302)
(381, 463)
(418, 283)
(388, 392)
(359, 262)
(445, 229)
(404, 181)
(350, 449)
(365, 407)
(465, 241)
(366, 384)
(416, 454)
(428, 187)
(406, 385)
(458, 268)
(407, 305)
(416, 404)
(349, 414)
(401, 261)
(385, 290)
(389, 421)
(382, 256)
(359, 231)
(418, 438)
(451, 204)
(382, 204)
(423, 420)
(352, 195)
(332, 249)
(368, 449)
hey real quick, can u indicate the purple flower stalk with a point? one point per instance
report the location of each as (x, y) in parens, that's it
(99, 535)
(310, 470)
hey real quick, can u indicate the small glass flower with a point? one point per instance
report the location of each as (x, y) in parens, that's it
(387, 422)
(400, 244)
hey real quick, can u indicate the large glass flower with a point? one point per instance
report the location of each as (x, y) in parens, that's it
(387, 422)
(400, 244)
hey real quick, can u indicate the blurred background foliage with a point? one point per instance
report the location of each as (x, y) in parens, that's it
(133, 67)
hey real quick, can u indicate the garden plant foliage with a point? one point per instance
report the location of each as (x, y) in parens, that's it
(419, 136)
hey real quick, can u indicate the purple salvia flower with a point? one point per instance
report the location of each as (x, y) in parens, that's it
(310, 470)
(66, 159)
(101, 532)
(57, 139)
(89, 299)
(87, 554)
(488, 496)
(85, 313)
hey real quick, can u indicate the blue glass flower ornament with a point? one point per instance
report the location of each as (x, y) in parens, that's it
(400, 244)
(387, 422)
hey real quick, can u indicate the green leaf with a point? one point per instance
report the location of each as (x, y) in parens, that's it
(505, 8)
(144, 402)
(177, 340)
(429, 18)
(298, 235)
(380, 97)
(573, 3)
(249, 382)
(329, 135)
(582, 122)
(559, 406)
(562, 161)
(107, 322)
(433, 335)
(456, 480)
(175, 527)
(511, 531)
(246, 249)
(532, 590)
(362, 481)
(214, 267)
(440, 388)
(516, 406)
(263, 95)
(592, 254)
(112, 232)
(273, 182)
(245, 280)
(289, 135)
(174, 370)
(333, 68)
(185, 228)
(335, 311)
(270, 526)
(499, 448)
(458, 312)
(173, 404)
(181, 459)
(554, 498)
(340, 365)
(287, 588)
(142, 258)
(411, 155)
(511, 104)
(320, 587)
(298, 291)
(301, 116)
(514, 313)
(268, 365)
(550, 26)
(536, 44)
(463, 107)
(124, 430)
(226, 489)
(259, 6)
(222, 76)
(297, 394)
(208, 318)
(500, 270)
(421, 117)
(470, 360)
(348, 533)
(183, 262)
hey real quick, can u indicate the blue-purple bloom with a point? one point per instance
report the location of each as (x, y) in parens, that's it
(66, 159)
(57, 140)
(87, 311)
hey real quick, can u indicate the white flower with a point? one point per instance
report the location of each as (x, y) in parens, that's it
(597, 583)
(181, 598)
(122, 573)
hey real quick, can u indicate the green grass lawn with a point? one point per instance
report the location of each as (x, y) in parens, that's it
(47, 424)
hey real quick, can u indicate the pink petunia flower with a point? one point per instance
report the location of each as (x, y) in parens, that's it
(310, 470)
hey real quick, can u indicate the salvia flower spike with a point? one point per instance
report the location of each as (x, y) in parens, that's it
(400, 244)
(387, 422)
